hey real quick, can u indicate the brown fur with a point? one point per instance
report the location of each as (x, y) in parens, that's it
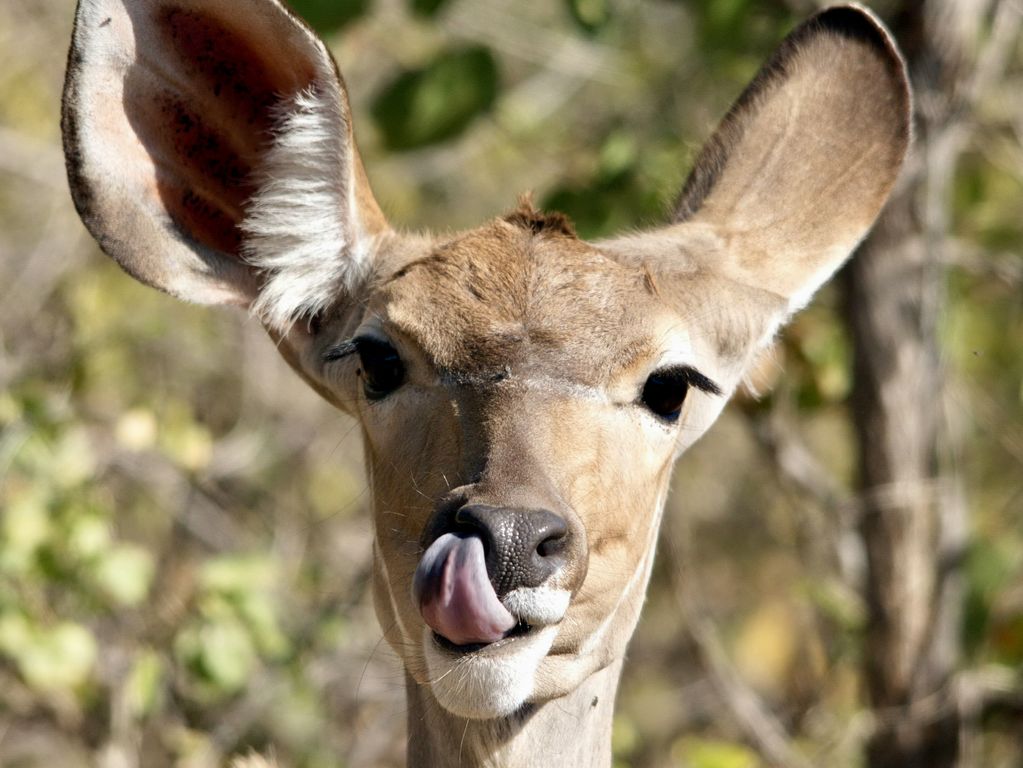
(525, 348)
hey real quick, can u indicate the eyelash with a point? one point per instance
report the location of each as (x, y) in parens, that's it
(341, 351)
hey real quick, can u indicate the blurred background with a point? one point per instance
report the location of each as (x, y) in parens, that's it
(184, 532)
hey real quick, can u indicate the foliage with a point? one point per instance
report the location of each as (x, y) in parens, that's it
(438, 101)
(330, 15)
(184, 539)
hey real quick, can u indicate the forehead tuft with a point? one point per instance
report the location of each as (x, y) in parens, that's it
(537, 222)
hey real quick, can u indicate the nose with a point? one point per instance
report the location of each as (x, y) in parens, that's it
(522, 547)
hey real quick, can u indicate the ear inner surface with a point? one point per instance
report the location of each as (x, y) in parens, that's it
(201, 107)
(802, 163)
(171, 110)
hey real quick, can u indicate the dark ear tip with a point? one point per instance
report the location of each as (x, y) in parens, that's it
(858, 23)
(853, 20)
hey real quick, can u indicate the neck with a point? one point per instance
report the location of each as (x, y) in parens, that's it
(572, 730)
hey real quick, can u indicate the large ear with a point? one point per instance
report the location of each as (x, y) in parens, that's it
(802, 163)
(210, 152)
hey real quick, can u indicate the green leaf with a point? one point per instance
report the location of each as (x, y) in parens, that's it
(125, 574)
(15, 633)
(227, 654)
(591, 15)
(696, 752)
(61, 658)
(618, 157)
(427, 8)
(233, 574)
(992, 566)
(26, 526)
(88, 536)
(625, 737)
(10, 409)
(439, 101)
(144, 683)
(259, 613)
(73, 459)
(330, 15)
(220, 653)
(835, 600)
(187, 442)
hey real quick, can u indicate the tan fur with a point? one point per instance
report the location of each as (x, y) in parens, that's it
(526, 351)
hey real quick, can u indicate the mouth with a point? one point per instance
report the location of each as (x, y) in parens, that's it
(521, 630)
(494, 646)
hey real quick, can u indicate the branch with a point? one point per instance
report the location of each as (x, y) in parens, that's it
(991, 688)
(995, 55)
(760, 727)
(796, 463)
(796, 467)
(1006, 267)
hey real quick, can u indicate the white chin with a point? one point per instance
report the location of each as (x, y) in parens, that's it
(490, 683)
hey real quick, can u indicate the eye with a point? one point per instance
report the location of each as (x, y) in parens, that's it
(382, 369)
(665, 392)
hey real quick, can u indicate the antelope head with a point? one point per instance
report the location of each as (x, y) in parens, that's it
(522, 394)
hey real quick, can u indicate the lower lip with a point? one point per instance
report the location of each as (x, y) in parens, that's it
(519, 632)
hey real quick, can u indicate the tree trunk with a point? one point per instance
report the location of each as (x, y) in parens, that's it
(913, 522)
(912, 585)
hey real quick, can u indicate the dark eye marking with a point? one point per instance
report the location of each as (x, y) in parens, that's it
(665, 390)
(382, 370)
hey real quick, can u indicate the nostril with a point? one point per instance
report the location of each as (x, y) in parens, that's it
(551, 547)
(522, 547)
(477, 521)
(554, 541)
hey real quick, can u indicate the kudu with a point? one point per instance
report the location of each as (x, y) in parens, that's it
(536, 388)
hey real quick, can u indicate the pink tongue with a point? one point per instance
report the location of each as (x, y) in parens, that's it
(455, 595)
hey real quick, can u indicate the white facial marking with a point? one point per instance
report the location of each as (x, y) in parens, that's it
(538, 606)
(382, 564)
(550, 385)
(489, 683)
